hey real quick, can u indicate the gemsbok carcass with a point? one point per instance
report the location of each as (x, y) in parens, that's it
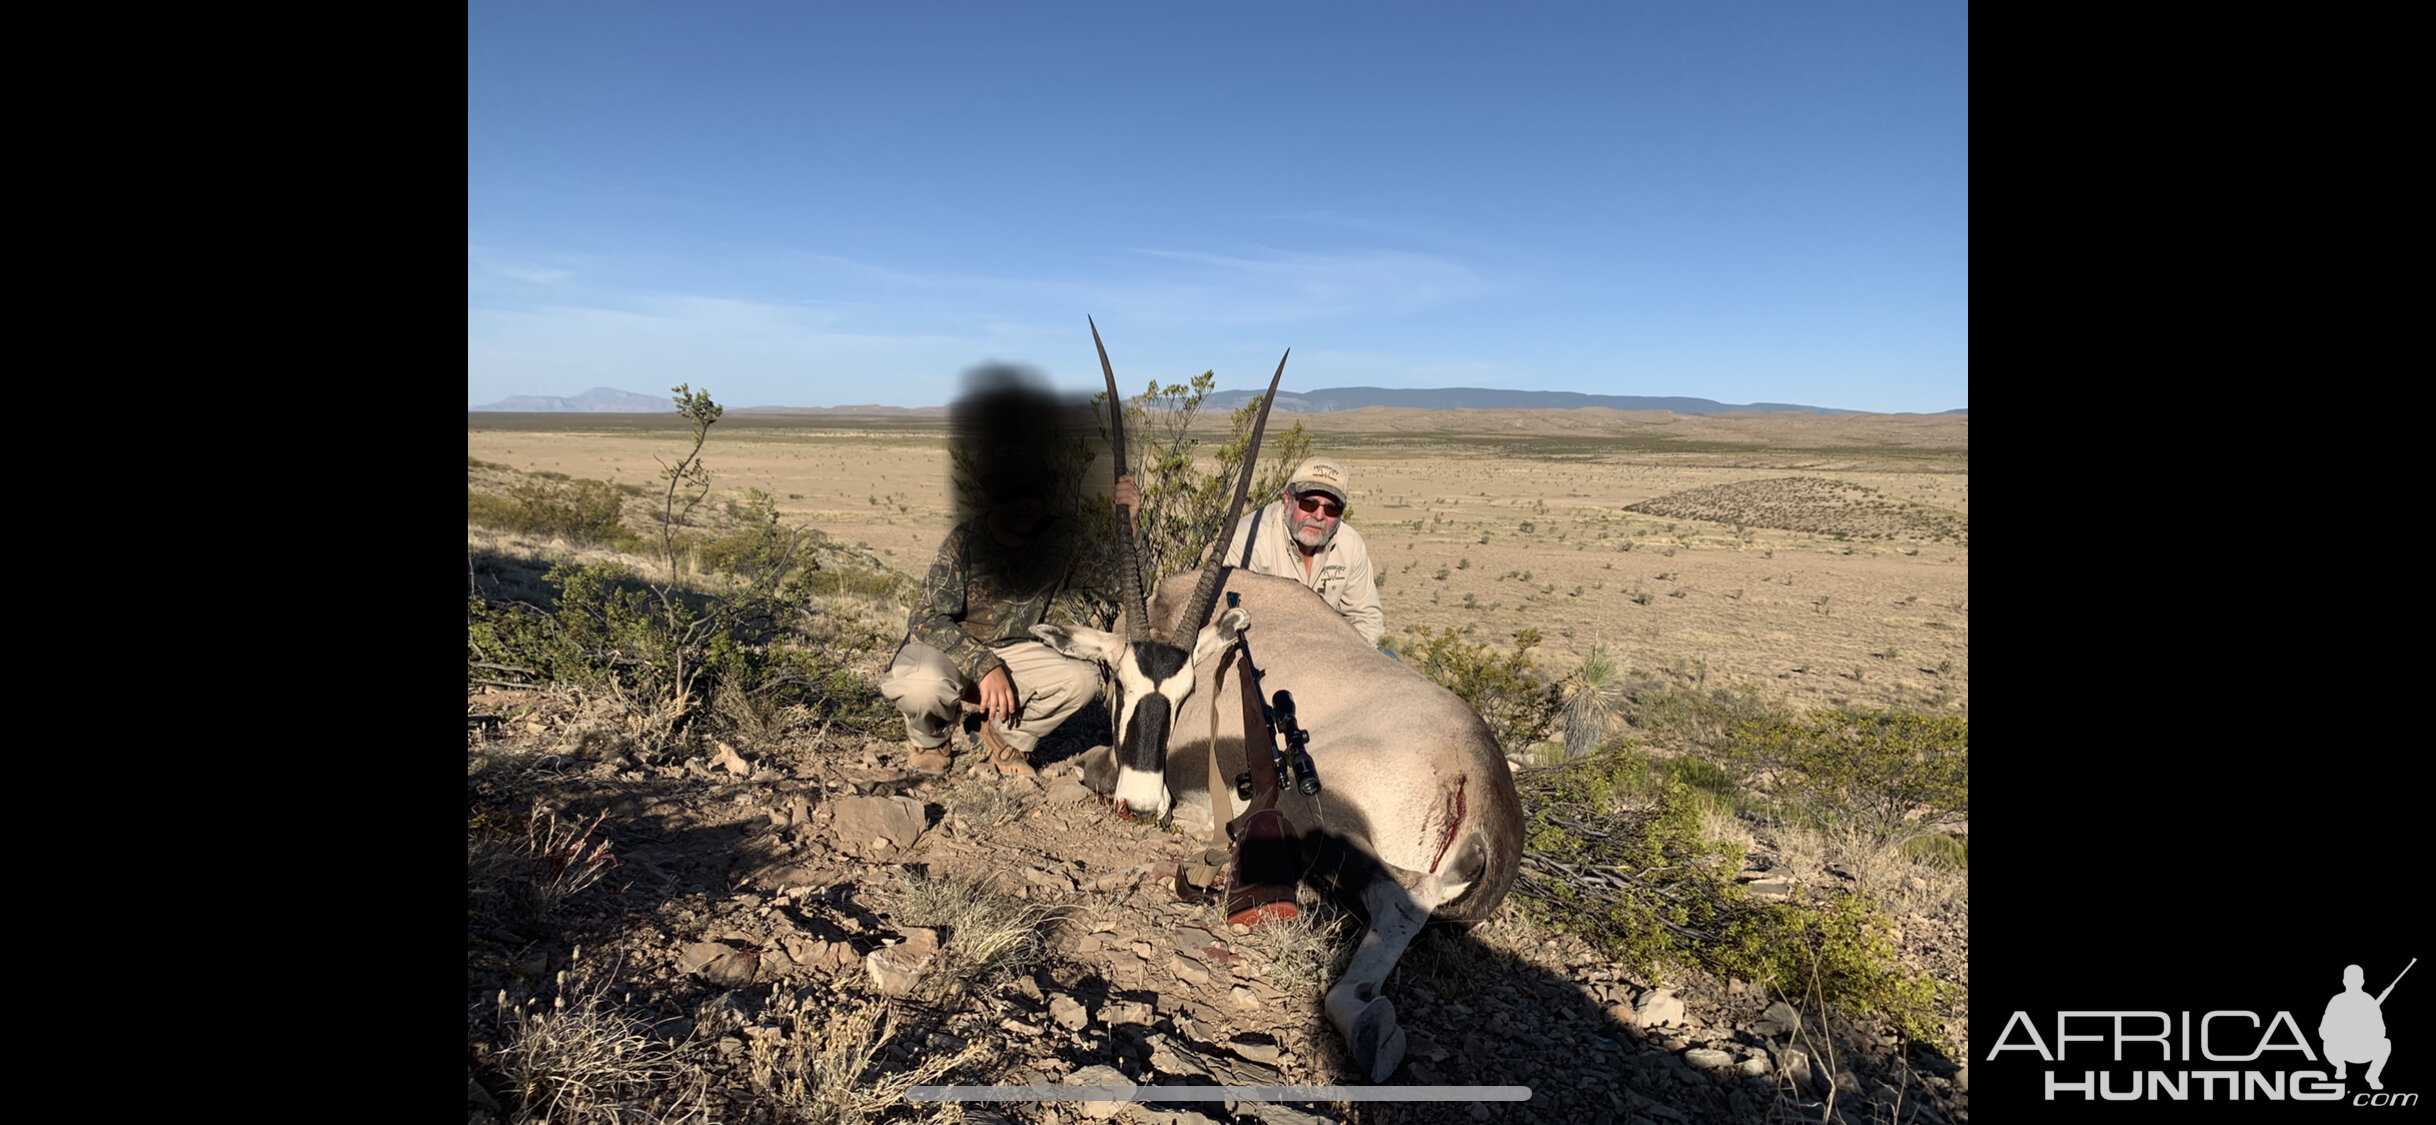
(1415, 816)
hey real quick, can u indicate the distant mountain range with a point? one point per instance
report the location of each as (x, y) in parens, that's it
(1330, 399)
(603, 400)
(598, 400)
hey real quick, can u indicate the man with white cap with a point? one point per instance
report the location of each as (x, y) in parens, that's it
(1302, 536)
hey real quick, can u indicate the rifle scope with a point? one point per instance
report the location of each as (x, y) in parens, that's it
(1297, 741)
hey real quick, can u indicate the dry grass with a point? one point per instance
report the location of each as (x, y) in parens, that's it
(984, 802)
(983, 937)
(1306, 952)
(1904, 884)
(533, 871)
(581, 1060)
(833, 1065)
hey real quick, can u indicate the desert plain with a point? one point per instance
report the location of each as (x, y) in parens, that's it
(1821, 560)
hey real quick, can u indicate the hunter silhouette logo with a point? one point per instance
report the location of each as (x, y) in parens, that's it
(2241, 1055)
(2354, 1027)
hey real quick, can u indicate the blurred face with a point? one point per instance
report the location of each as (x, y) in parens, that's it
(1020, 514)
(1311, 518)
(1019, 498)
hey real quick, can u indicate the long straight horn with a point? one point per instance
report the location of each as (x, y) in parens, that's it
(1129, 565)
(1205, 593)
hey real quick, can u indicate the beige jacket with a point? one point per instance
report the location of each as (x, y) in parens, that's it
(1340, 573)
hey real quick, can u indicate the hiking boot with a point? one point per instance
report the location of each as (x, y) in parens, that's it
(1004, 754)
(930, 760)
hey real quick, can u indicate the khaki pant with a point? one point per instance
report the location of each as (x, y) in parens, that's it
(1049, 689)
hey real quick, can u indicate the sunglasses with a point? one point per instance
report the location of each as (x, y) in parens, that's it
(1314, 502)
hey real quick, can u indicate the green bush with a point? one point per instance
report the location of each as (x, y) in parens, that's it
(1702, 721)
(1883, 772)
(738, 651)
(761, 551)
(583, 512)
(874, 583)
(1944, 849)
(1614, 852)
(1509, 690)
(1721, 786)
(608, 630)
(1840, 952)
(1183, 506)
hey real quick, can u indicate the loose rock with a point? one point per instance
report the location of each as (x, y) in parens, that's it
(1658, 1006)
(897, 970)
(1099, 1076)
(1173, 1059)
(1795, 1063)
(898, 820)
(1779, 1020)
(1708, 1058)
(718, 963)
(1255, 1050)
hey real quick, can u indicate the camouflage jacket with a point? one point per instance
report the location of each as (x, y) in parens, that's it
(982, 594)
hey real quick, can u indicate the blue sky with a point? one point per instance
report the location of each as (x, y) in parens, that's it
(820, 204)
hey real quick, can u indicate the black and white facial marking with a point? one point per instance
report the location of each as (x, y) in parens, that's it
(1153, 681)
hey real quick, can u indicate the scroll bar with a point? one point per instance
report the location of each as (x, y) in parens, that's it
(1218, 1094)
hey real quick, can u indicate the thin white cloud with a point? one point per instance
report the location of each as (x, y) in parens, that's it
(535, 274)
(497, 264)
(750, 353)
(1184, 287)
(862, 332)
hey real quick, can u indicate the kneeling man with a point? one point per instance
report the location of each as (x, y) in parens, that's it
(1302, 536)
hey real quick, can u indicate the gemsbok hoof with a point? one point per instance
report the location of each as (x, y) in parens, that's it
(1375, 1040)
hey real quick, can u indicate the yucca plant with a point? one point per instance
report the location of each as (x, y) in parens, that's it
(1595, 702)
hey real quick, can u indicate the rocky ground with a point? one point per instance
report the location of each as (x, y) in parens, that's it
(758, 893)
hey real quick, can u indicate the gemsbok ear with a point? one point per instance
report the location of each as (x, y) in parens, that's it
(1220, 633)
(1081, 644)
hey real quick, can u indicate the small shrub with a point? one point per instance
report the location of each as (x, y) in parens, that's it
(1183, 504)
(583, 512)
(1702, 776)
(1941, 849)
(832, 1063)
(1619, 858)
(1595, 702)
(1509, 690)
(1701, 721)
(983, 937)
(581, 1061)
(529, 871)
(1882, 772)
(1306, 951)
